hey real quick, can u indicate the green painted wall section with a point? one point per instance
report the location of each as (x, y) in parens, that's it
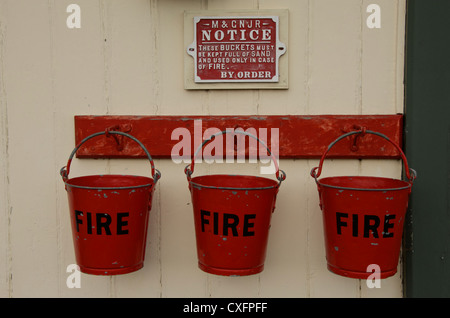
(427, 144)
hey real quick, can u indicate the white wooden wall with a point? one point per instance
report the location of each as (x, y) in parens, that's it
(127, 59)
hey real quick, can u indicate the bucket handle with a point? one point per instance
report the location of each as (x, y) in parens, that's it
(64, 172)
(189, 169)
(410, 173)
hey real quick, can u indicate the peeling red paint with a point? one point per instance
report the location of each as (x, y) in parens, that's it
(299, 136)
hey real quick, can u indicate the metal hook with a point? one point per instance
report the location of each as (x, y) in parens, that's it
(354, 144)
(126, 128)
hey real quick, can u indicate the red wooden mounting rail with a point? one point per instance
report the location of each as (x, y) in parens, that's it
(299, 136)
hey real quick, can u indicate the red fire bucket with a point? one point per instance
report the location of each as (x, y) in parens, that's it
(363, 219)
(232, 215)
(109, 216)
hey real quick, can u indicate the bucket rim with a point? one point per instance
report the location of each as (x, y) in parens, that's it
(66, 182)
(191, 182)
(407, 184)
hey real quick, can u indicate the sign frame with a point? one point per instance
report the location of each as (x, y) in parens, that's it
(281, 41)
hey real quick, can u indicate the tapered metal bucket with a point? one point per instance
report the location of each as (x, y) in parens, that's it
(232, 216)
(109, 216)
(363, 218)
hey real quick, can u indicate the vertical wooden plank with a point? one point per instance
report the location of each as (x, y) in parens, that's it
(400, 56)
(131, 42)
(380, 79)
(28, 84)
(382, 90)
(334, 79)
(294, 100)
(171, 48)
(335, 54)
(180, 276)
(286, 266)
(178, 249)
(80, 85)
(4, 165)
